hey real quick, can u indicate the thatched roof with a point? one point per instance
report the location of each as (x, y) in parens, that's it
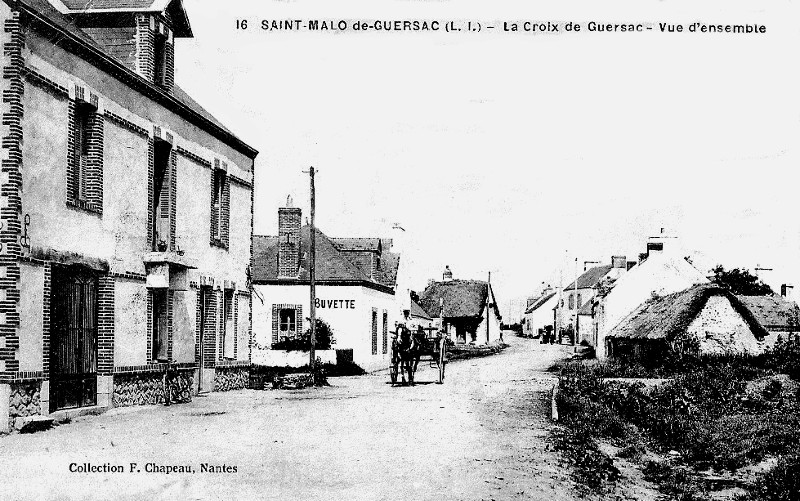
(458, 298)
(539, 302)
(590, 277)
(666, 317)
(332, 264)
(774, 312)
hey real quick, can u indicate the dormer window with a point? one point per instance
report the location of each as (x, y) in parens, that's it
(159, 59)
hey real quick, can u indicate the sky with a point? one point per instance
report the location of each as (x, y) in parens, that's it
(515, 153)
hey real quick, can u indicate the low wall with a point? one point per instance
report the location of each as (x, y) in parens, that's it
(24, 400)
(231, 378)
(283, 358)
(147, 388)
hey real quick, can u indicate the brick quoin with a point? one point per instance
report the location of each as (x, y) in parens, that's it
(48, 281)
(11, 166)
(210, 334)
(105, 326)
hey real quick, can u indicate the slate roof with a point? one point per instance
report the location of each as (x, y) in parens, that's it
(418, 311)
(539, 302)
(590, 277)
(332, 264)
(774, 312)
(358, 244)
(108, 4)
(460, 298)
(44, 11)
(665, 317)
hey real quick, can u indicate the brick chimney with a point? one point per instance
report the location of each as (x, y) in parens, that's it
(786, 291)
(619, 262)
(288, 240)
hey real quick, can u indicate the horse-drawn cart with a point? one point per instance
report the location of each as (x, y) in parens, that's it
(408, 349)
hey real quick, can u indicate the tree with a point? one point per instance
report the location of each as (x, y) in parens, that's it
(740, 281)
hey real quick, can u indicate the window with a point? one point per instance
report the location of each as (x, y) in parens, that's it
(83, 132)
(159, 323)
(162, 196)
(85, 158)
(220, 208)
(159, 59)
(385, 332)
(288, 323)
(571, 302)
(374, 331)
(228, 331)
(579, 302)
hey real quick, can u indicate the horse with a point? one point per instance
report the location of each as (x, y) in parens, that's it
(405, 353)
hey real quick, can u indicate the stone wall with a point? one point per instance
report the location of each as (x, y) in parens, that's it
(24, 400)
(147, 388)
(231, 378)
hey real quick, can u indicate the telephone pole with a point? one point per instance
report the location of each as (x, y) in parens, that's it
(311, 275)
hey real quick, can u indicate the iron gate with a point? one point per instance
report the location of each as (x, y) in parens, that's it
(73, 345)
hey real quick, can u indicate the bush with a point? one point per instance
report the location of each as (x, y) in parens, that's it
(592, 468)
(778, 484)
(323, 339)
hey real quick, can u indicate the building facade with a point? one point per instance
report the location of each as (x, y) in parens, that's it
(355, 291)
(126, 216)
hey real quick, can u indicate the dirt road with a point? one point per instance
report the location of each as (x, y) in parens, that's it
(480, 435)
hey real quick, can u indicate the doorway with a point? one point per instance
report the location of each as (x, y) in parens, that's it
(73, 339)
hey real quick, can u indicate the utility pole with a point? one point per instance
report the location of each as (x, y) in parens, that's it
(311, 275)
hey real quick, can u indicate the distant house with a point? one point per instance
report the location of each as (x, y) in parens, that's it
(466, 309)
(416, 317)
(584, 321)
(661, 273)
(579, 292)
(777, 314)
(539, 315)
(704, 319)
(355, 290)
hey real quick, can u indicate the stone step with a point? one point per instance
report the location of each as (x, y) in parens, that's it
(31, 424)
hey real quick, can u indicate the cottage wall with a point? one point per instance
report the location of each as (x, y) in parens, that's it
(722, 330)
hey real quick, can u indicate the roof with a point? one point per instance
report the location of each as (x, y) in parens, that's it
(665, 317)
(173, 10)
(539, 302)
(458, 298)
(774, 312)
(590, 277)
(358, 244)
(586, 309)
(418, 311)
(78, 41)
(332, 264)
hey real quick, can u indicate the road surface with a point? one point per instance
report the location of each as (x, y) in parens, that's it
(480, 435)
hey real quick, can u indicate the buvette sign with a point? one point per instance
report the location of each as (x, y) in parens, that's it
(344, 304)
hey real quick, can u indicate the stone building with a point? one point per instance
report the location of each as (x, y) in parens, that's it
(125, 215)
(356, 280)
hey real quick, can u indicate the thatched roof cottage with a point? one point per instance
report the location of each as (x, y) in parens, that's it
(704, 319)
(467, 309)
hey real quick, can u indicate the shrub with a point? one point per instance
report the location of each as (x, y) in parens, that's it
(323, 339)
(780, 483)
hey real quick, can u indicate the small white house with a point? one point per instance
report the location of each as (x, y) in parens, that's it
(661, 273)
(539, 315)
(355, 291)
